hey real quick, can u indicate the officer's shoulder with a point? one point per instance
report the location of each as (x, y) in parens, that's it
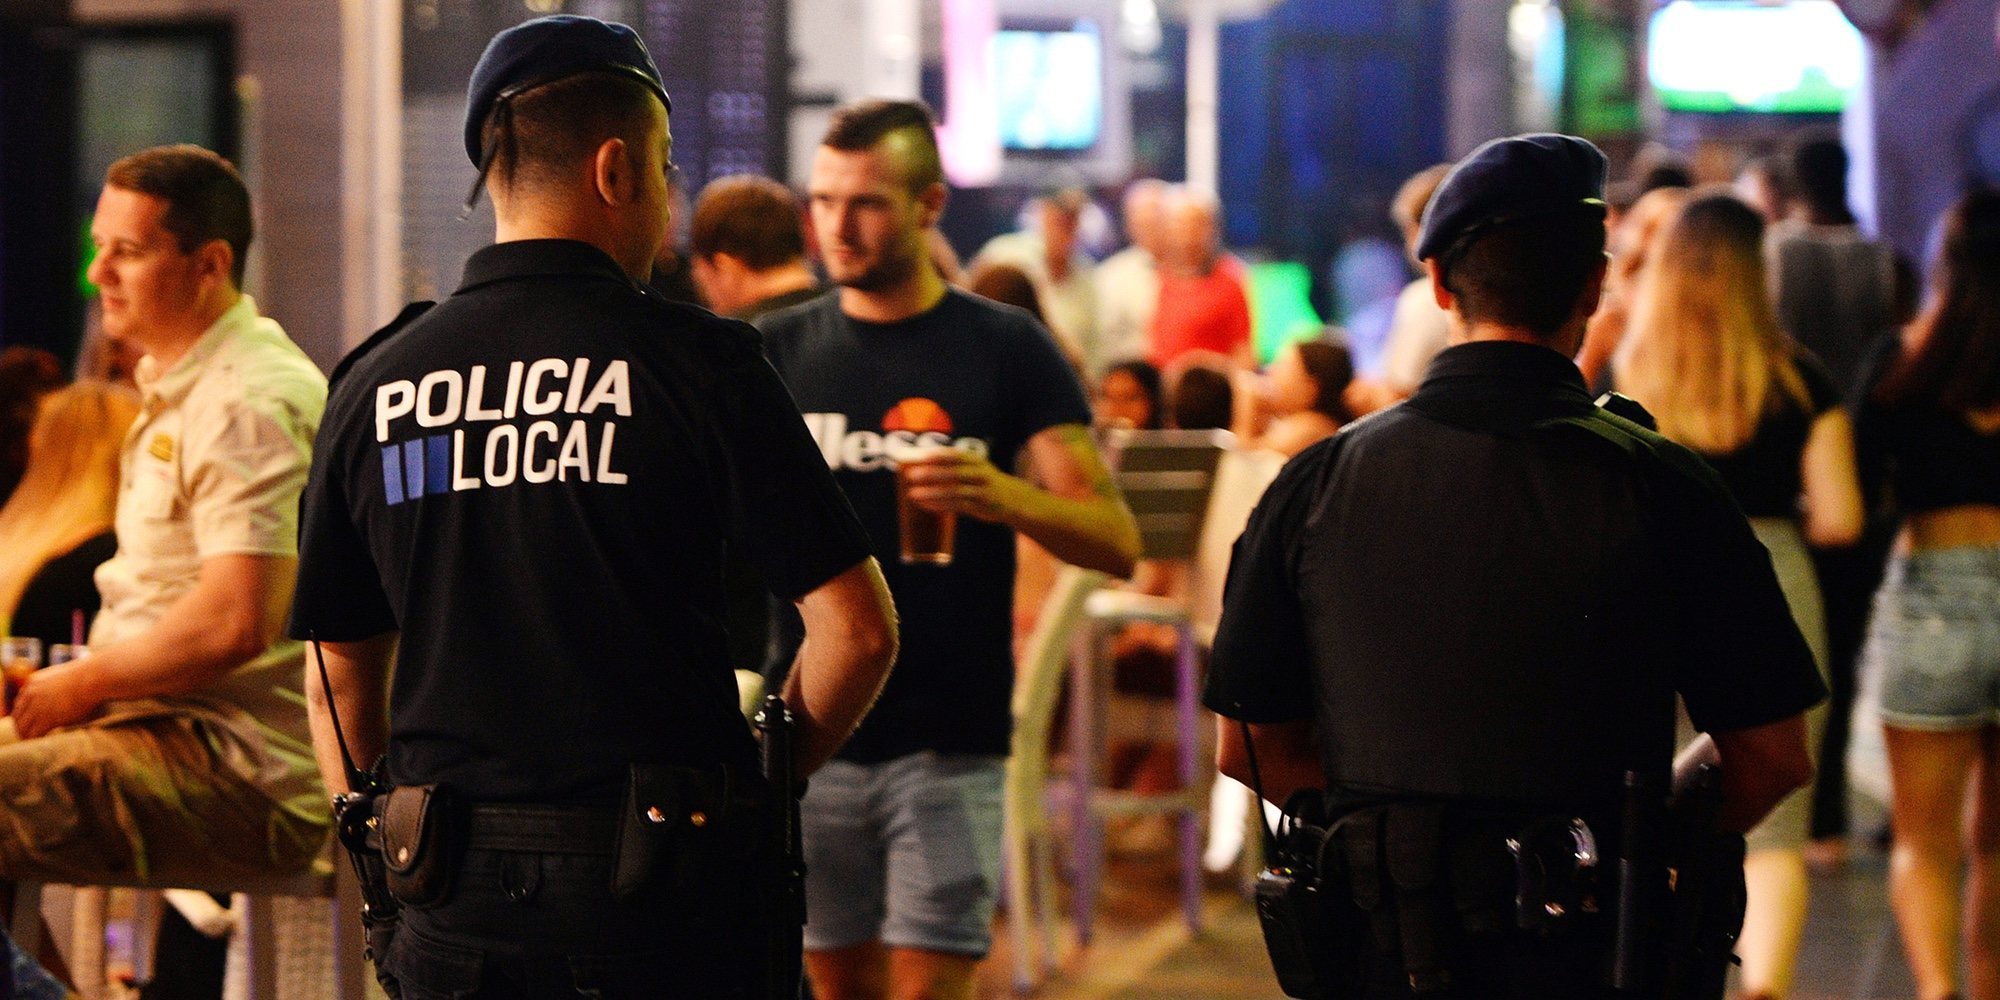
(1621, 421)
(716, 337)
(403, 321)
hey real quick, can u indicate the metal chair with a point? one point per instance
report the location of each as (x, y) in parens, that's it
(1167, 478)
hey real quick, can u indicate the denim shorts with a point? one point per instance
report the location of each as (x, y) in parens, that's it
(1933, 654)
(906, 852)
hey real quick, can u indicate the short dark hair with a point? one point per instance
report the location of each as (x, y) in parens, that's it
(1203, 399)
(1819, 170)
(1006, 284)
(546, 130)
(1529, 272)
(859, 126)
(753, 219)
(205, 197)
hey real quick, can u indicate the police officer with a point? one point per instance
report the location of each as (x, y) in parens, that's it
(523, 496)
(1484, 601)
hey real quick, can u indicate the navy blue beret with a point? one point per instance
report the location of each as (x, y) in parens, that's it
(1511, 179)
(548, 49)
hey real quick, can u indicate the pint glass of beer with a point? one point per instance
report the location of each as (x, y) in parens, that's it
(926, 535)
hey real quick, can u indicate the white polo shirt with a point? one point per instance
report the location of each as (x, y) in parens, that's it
(214, 466)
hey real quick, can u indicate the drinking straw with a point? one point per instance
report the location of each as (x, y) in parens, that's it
(76, 626)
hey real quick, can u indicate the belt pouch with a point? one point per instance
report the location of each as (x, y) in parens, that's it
(420, 836)
(665, 808)
(1413, 847)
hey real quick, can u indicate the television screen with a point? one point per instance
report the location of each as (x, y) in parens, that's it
(1735, 55)
(1050, 87)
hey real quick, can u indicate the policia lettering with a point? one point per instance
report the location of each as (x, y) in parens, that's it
(544, 451)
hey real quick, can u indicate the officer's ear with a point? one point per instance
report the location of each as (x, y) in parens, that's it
(1593, 289)
(1439, 293)
(613, 172)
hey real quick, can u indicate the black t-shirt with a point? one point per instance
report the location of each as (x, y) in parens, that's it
(63, 586)
(535, 482)
(983, 377)
(1763, 472)
(1493, 591)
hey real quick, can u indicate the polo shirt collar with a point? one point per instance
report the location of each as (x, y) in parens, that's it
(173, 384)
(1500, 385)
(540, 259)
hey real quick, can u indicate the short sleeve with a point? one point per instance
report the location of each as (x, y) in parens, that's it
(1260, 665)
(1042, 388)
(340, 596)
(1741, 661)
(787, 513)
(244, 464)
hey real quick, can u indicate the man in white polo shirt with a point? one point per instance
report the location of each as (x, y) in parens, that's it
(178, 749)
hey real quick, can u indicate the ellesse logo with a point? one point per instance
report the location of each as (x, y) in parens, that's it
(913, 421)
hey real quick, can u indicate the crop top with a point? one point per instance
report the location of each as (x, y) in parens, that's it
(1932, 457)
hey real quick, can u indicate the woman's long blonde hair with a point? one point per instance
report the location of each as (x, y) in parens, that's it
(70, 489)
(1704, 352)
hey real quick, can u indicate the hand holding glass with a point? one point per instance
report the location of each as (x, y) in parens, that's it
(927, 536)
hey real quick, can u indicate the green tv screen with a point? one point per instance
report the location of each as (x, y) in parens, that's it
(1801, 57)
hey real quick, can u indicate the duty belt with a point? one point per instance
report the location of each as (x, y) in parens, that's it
(548, 829)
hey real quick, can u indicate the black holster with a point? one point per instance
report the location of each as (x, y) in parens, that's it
(357, 828)
(1709, 894)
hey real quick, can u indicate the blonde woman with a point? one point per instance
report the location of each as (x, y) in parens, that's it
(1705, 355)
(56, 527)
(1631, 244)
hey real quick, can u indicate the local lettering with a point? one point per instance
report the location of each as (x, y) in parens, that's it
(574, 439)
(867, 451)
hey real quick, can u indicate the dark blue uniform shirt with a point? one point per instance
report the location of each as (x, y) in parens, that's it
(1494, 590)
(535, 482)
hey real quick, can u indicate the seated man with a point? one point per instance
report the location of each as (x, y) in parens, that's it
(177, 751)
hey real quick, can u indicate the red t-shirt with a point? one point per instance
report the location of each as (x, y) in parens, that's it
(1210, 313)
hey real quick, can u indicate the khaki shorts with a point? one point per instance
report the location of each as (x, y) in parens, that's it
(145, 799)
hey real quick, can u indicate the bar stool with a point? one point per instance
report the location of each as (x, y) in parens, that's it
(1106, 610)
(1167, 478)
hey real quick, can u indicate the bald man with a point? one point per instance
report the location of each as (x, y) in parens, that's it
(1128, 282)
(1204, 304)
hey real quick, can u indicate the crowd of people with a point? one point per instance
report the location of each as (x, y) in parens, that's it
(152, 510)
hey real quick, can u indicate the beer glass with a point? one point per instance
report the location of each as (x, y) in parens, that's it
(926, 535)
